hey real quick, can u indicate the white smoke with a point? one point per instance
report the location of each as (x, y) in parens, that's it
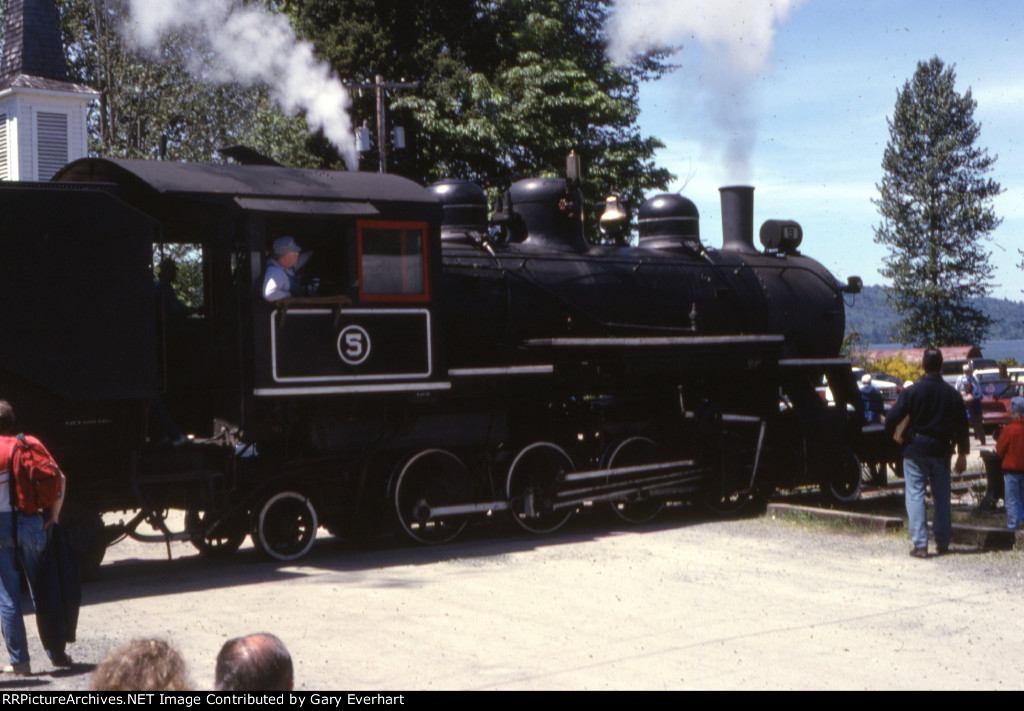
(248, 45)
(736, 38)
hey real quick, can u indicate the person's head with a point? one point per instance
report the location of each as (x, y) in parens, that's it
(142, 665)
(932, 361)
(6, 418)
(286, 252)
(968, 367)
(256, 662)
(167, 270)
(865, 379)
(1017, 407)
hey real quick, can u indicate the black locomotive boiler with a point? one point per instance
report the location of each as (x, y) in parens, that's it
(439, 368)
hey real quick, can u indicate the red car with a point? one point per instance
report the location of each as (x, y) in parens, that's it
(995, 402)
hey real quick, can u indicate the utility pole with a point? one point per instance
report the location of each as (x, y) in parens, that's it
(379, 85)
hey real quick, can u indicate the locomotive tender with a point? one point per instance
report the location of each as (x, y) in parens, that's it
(439, 369)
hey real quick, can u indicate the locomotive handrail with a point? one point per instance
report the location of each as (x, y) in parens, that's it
(639, 262)
(813, 362)
(335, 303)
(649, 341)
(313, 301)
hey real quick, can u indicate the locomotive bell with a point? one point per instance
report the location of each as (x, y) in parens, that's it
(614, 220)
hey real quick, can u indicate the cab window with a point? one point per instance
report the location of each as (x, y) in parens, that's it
(393, 261)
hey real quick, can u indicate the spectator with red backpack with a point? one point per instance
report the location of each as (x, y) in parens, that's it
(31, 497)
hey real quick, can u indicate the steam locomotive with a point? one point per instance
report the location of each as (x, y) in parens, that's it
(439, 368)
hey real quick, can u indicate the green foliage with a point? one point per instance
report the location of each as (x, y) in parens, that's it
(935, 204)
(897, 365)
(1021, 265)
(507, 89)
(852, 344)
(144, 98)
(189, 260)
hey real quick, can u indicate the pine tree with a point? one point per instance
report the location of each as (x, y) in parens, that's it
(936, 208)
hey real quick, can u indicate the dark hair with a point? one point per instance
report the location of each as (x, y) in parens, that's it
(6, 418)
(142, 665)
(256, 662)
(932, 360)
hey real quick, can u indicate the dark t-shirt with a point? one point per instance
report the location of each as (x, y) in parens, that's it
(937, 417)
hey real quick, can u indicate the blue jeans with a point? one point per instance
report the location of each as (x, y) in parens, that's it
(919, 472)
(31, 547)
(1014, 497)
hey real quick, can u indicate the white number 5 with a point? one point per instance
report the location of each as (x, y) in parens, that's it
(354, 345)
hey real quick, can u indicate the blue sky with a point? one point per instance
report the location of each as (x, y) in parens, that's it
(818, 109)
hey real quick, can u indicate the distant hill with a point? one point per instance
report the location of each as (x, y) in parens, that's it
(872, 318)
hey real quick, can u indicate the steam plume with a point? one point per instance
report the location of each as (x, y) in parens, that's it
(736, 37)
(247, 44)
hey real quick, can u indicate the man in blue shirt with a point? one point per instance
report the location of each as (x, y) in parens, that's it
(970, 390)
(936, 416)
(874, 408)
(280, 281)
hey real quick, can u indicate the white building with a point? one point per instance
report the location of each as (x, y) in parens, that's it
(43, 115)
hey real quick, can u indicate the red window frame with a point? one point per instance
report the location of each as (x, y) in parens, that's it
(424, 230)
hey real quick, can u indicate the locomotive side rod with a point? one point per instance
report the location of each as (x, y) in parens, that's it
(675, 482)
(622, 487)
(464, 509)
(634, 469)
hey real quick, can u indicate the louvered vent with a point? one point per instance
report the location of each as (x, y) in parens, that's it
(53, 143)
(5, 170)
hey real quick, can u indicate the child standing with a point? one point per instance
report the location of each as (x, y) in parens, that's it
(1010, 448)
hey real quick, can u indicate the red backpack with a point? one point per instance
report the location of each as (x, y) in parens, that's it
(35, 475)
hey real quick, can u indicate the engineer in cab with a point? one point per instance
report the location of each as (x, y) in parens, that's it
(281, 280)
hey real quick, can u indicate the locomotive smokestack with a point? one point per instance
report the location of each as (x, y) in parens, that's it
(738, 219)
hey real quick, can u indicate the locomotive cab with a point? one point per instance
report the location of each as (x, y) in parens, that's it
(269, 389)
(362, 317)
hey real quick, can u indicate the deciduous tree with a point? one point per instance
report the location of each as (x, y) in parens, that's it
(935, 200)
(507, 88)
(143, 99)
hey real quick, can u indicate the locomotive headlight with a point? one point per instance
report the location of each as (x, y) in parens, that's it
(854, 285)
(781, 236)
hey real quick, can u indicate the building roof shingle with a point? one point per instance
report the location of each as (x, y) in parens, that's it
(33, 50)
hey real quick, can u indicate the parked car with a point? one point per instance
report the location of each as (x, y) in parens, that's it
(995, 402)
(888, 386)
(988, 375)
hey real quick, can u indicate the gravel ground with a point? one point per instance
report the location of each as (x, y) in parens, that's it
(681, 603)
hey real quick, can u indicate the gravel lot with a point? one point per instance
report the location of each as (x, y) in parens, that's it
(682, 603)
